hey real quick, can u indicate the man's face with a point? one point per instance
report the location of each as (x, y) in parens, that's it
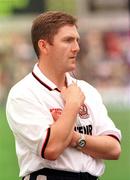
(63, 52)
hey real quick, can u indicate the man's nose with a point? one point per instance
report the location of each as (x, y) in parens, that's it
(75, 47)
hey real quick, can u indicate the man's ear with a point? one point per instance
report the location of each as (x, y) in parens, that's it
(42, 44)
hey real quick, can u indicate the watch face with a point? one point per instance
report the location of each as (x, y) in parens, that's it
(82, 143)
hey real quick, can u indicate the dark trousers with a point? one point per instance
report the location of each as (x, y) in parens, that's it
(52, 174)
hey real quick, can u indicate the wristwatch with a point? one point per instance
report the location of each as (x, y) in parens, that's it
(81, 143)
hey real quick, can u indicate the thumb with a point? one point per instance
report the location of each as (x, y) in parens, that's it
(63, 89)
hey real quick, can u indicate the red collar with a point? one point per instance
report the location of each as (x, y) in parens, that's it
(44, 84)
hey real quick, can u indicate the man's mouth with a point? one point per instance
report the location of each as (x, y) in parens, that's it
(73, 57)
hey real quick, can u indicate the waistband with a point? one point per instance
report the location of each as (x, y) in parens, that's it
(62, 173)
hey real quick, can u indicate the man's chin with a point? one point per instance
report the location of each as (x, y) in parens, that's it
(73, 67)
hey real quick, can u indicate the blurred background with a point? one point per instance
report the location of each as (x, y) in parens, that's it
(104, 61)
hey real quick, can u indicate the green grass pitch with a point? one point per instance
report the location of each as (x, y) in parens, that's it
(115, 170)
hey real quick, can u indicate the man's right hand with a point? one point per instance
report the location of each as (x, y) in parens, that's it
(73, 96)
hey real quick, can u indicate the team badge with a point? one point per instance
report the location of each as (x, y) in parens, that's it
(83, 112)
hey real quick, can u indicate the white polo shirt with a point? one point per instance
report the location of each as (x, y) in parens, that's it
(29, 107)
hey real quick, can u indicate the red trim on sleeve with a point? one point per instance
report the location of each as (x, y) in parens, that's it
(115, 137)
(45, 142)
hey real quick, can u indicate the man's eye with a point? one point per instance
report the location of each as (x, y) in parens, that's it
(69, 40)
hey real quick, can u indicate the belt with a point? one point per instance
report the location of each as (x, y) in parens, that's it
(60, 173)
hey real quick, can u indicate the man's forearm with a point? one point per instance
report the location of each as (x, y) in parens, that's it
(61, 131)
(99, 147)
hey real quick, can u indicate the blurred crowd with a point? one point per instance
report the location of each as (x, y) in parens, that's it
(16, 60)
(104, 59)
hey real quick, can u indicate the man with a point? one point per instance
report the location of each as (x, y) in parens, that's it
(61, 127)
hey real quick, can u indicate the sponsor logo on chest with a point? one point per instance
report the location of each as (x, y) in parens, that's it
(84, 115)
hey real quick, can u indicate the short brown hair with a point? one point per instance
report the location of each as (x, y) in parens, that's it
(47, 24)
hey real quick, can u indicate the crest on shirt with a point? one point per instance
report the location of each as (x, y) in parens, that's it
(83, 112)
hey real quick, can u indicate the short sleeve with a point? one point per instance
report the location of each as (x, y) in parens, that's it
(30, 122)
(103, 123)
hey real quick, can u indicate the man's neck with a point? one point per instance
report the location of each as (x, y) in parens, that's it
(58, 78)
